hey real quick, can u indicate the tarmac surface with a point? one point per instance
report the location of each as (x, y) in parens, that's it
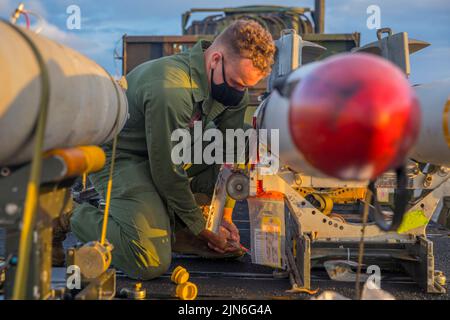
(240, 279)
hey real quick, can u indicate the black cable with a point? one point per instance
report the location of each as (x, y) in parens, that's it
(401, 197)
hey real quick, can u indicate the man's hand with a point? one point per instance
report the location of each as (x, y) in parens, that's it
(227, 223)
(233, 230)
(219, 242)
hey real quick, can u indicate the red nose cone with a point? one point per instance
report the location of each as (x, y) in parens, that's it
(354, 117)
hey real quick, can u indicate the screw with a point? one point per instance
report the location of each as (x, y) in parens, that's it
(440, 277)
(11, 209)
(5, 172)
(428, 180)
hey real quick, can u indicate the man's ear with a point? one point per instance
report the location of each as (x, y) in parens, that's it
(215, 59)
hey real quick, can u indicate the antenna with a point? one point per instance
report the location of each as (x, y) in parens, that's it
(319, 16)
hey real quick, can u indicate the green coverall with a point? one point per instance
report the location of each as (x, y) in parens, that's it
(150, 193)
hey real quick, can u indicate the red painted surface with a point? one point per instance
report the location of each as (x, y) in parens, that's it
(354, 117)
(259, 187)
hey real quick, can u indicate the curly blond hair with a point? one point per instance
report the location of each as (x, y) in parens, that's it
(248, 39)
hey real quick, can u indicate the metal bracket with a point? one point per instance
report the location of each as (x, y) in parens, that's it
(394, 47)
(101, 288)
(312, 238)
(292, 52)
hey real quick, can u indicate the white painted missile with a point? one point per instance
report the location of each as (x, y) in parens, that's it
(273, 114)
(351, 117)
(86, 106)
(433, 145)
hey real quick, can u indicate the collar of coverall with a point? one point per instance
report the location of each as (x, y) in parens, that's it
(199, 79)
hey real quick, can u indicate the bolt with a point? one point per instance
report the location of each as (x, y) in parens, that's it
(5, 172)
(443, 171)
(36, 293)
(428, 180)
(11, 209)
(440, 277)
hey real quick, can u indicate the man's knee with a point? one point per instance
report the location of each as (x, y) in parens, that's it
(152, 272)
(146, 262)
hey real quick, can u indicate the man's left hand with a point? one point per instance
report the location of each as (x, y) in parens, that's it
(232, 229)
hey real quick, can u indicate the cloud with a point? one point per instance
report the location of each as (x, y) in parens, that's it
(430, 64)
(105, 21)
(87, 45)
(5, 5)
(83, 44)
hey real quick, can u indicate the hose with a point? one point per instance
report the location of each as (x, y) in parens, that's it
(27, 19)
(401, 199)
(31, 200)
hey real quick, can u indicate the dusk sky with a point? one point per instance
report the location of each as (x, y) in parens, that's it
(104, 22)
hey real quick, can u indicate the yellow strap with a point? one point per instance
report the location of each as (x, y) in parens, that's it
(19, 291)
(31, 200)
(108, 192)
(84, 180)
(111, 170)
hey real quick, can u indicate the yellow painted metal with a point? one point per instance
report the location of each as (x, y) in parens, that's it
(80, 160)
(326, 203)
(95, 158)
(186, 291)
(338, 195)
(108, 193)
(179, 275)
(413, 219)
(25, 241)
(347, 195)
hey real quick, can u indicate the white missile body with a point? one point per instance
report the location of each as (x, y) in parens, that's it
(273, 114)
(86, 105)
(433, 145)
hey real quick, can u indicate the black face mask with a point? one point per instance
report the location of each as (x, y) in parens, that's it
(223, 93)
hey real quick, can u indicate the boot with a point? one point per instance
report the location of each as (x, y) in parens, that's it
(61, 227)
(187, 243)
